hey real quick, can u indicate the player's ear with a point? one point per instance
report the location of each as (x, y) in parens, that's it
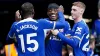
(82, 11)
(33, 12)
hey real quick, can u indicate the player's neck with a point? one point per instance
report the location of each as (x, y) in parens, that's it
(78, 19)
(30, 16)
(17, 20)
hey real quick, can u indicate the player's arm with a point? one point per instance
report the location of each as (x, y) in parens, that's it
(46, 24)
(70, 41)
(48, 36)
(93, 31)
(60, 23)
(60, 18)
(74, 40)
(67, 29)
(10, 34)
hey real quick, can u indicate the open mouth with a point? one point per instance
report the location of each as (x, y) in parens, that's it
(53, 15)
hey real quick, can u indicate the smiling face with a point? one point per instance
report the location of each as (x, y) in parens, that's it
(53, 14)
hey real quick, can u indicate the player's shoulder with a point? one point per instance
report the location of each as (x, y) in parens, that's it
(46, 18)
(43, 20)
(27, 20)
(14, 23)
(97, 20)
(84, 26)
(81, 23)
(67, 23)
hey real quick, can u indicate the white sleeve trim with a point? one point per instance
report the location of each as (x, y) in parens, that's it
(12, 37)
(67, 34)
(81, 40)
(77, 37)
(54, 25)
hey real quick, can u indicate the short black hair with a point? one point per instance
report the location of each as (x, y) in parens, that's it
(27, 9)
(53, 6)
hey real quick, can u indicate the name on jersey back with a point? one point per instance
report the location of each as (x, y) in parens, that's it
(27, 26)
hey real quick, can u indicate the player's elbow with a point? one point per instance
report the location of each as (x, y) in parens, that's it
(72, 44)
(63, 25)
(75, 44)
(59, 25)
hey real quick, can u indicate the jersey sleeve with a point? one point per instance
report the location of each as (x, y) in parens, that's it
(67, 29)
(75, 39)
(78, 33)
(46, 24)
(93, 28)
(11, 32)
(65, 39)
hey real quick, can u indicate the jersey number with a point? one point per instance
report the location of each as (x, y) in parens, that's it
(29, 41)
(85, 48)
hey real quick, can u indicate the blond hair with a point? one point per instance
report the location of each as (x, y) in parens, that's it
(79, 4)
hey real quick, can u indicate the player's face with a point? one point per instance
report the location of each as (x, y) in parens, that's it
(17, 15)
(99, 13)
(52, 13)
(76, 12)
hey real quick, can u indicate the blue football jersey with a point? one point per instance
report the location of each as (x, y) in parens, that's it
(79, 40)
(30, 35)
(91, 52)
(96, 27)
(53, 47)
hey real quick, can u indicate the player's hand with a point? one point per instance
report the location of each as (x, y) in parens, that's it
(49, 33)
(17, 15)
(61, 8)
(54, 32)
